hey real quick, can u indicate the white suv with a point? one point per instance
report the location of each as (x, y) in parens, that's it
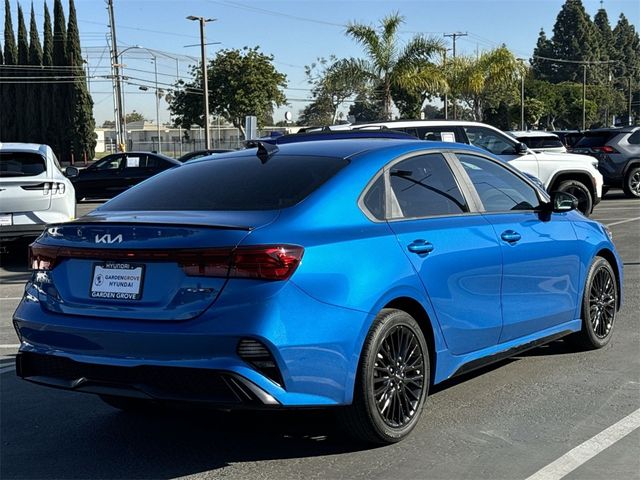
(33, 190)
(566, 172)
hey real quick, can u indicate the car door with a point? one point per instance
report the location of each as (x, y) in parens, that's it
(540, 251)
(503, 146)
(455, 252)
(100, 180)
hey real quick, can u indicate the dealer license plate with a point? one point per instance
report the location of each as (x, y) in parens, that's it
(117, 281)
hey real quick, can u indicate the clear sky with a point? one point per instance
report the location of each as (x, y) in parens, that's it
(296, 32)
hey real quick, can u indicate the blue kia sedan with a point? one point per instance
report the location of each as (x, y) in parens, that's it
(353, 273)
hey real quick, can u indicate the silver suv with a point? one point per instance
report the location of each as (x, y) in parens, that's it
(618, 154)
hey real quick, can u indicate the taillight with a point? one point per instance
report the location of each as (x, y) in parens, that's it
(605, 149)
(268, 262)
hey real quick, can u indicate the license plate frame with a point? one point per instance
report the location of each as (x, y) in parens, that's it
(114, 280)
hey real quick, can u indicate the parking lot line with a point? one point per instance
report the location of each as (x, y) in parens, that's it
(589, 449)
(623, 221)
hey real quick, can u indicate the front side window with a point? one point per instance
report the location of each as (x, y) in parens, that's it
(112, 162)
(499, 189)
(425, 186)
(490, 141)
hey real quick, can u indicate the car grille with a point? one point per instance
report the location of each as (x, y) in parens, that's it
(159, 382)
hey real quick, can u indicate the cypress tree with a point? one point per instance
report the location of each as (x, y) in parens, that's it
(46, 103)
(574, 38)
(626, 49)
(543, 69)
(605, 43)
(22, 116)
(8, 100)
(35, 90)
(82, 122)
(60, 108)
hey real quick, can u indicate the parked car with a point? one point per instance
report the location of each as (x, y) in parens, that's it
(33, 190)
(575, 174)
(540, 141)
(618, 154)
(351, 273)
(201, 153)
(115, 173)
(569, 137)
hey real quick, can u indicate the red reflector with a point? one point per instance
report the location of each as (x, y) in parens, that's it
(605, 149)
(269, 262)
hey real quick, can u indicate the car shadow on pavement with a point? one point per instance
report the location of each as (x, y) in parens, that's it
(54, 434)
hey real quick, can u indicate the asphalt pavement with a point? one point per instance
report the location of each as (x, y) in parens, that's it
(550, 413)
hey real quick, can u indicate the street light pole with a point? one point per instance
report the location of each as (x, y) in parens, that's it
(205, 82)
(584, 97)
(155, 68)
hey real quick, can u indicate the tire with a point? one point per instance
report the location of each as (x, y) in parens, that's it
(389, 415)
(631, 185)
(599, 305)
(127, 404)
(581, 192)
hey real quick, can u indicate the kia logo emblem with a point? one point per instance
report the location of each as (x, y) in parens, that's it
(106, 238)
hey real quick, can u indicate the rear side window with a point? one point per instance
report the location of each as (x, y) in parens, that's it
(374, 198)
(595, 139)
(634, 139)
(233, 183)
(21, 164)
(424, 186)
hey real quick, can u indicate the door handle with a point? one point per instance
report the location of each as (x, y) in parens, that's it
(420, 247)
(510, 236)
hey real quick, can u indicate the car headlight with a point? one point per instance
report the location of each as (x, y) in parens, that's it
(608, 232)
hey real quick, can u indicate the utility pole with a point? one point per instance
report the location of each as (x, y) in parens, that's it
(120, 135)
(522, 74)
(446, 94)
(630, 99)
(455, 36)
(205, 83)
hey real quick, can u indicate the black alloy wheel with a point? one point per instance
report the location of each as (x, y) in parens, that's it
(398, 376)
(599, 306)
(392, 381)
(581, 192)
(602, 302)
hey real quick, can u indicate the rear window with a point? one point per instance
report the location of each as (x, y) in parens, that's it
(541, 142)
(21, 164)
(232, 183)
(595, 139)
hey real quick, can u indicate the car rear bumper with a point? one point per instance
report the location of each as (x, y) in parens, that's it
(13, 232)
(314, 347)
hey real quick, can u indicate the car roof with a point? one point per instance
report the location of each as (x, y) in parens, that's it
(24, 147)
(532, 133)
(626, 129)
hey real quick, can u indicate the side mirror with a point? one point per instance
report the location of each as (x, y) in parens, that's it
(563, 202)
(521, 148)
(71, 172)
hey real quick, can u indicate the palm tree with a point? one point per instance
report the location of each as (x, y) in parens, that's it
(389, 65)
(489, 78)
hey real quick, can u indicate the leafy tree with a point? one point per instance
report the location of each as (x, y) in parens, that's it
(366, 108)
(432, 112)
(241, 83)
(134, 117)
(35, 97)
(332, 84)
(82, 137)
(8, 125)
(389, 65)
